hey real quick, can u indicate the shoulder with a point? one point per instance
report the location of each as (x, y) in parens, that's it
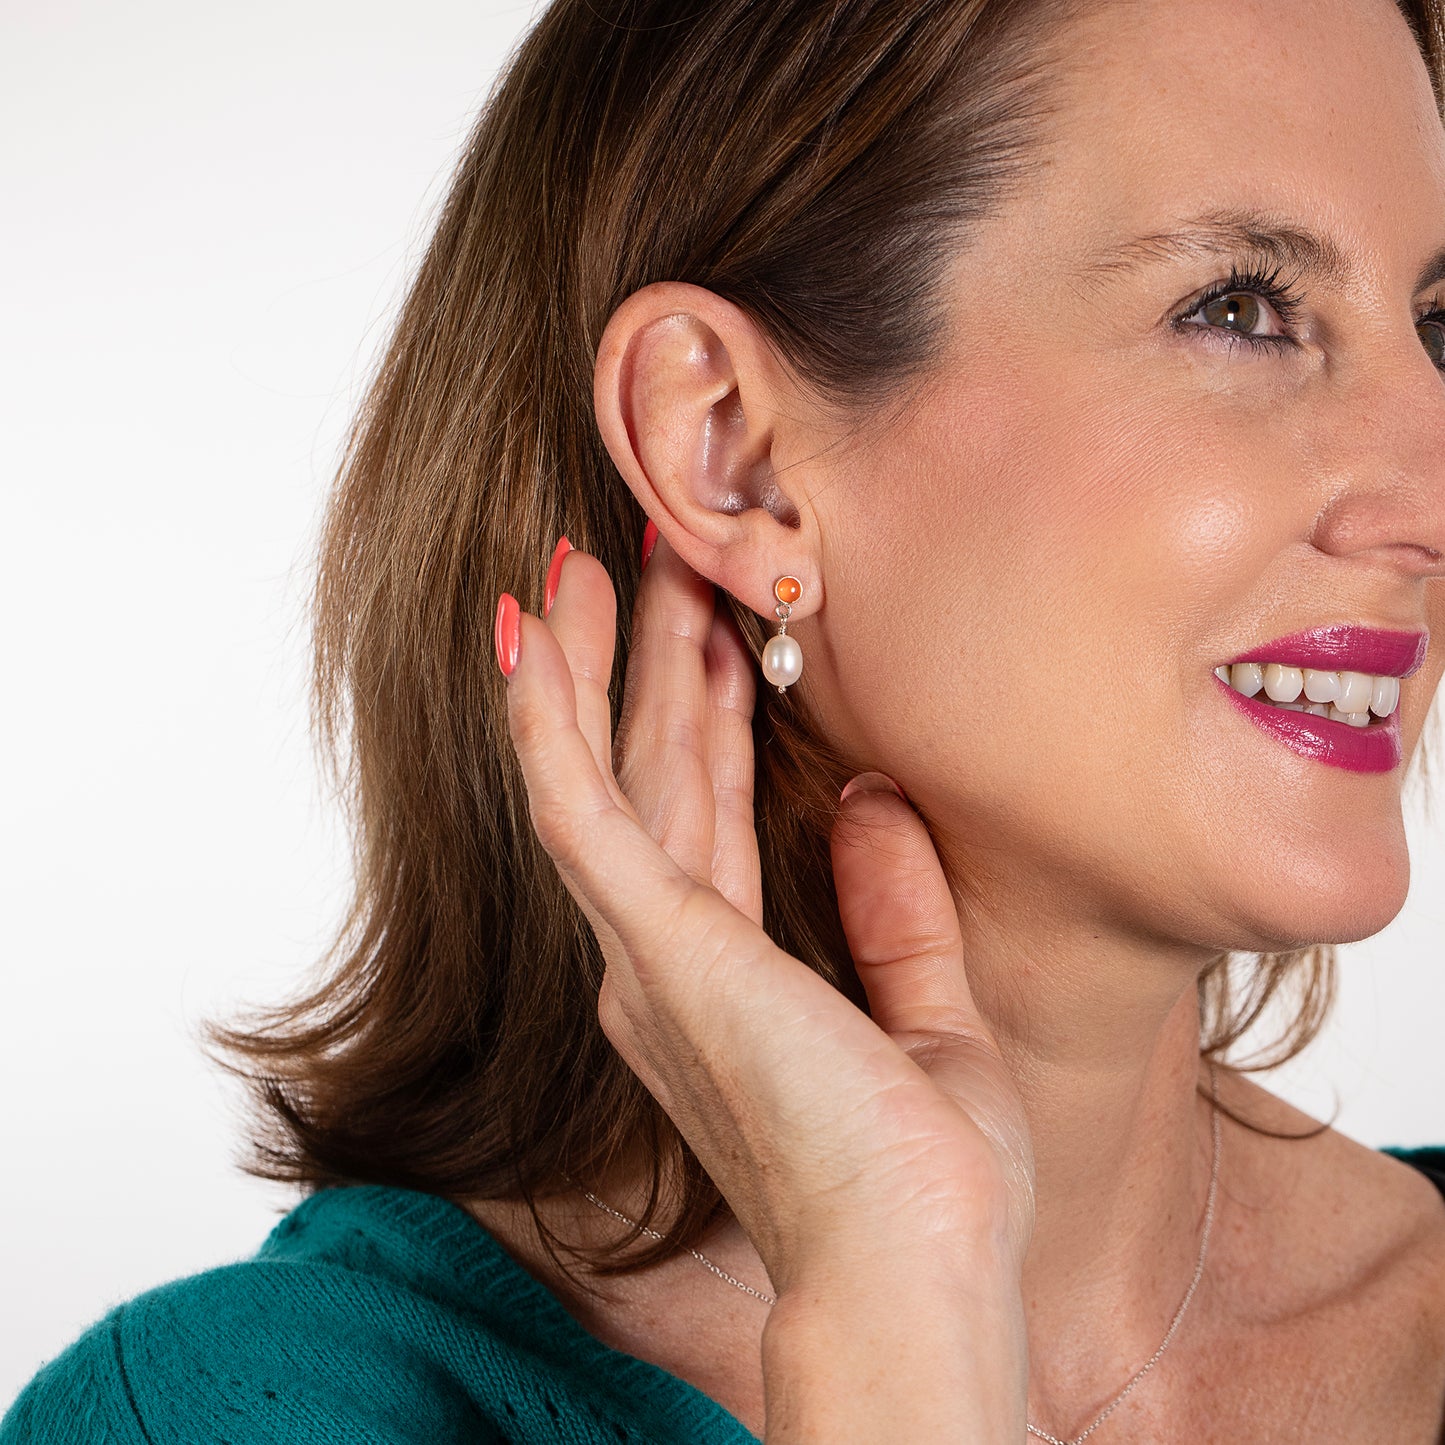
(1333, 1235)
(1328, 1289)
(79, 1395)
(371, 1314)
(1331, 1172)
(268, 1349)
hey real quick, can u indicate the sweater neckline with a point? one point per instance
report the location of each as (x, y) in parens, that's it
(460, 1253)
(462, 1247)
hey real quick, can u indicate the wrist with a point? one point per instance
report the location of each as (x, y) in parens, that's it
(980, 1256)
(903, 1349)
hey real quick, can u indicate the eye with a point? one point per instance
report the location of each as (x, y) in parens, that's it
(1237, 308)
(1241, 304)
(1432, 333)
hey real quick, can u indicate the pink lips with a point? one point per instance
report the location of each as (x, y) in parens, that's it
(1343, 647)
(1373, 749)
(1338, 648)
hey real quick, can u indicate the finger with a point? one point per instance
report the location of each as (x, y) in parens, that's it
(583, 619)
(732, 690)
(660, 748)
(899, 916)
(624, 882)
(674, 947)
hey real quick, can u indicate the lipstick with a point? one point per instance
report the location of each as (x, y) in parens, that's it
(1345, 647)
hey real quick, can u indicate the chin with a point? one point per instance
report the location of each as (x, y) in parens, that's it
(1335, 895)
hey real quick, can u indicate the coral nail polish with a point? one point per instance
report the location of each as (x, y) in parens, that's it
(554, 572)
(508, 632)
(649, 540)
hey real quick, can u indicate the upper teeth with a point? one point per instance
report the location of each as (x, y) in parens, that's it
(1350, 692)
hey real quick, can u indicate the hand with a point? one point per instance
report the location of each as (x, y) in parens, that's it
(825, 1129)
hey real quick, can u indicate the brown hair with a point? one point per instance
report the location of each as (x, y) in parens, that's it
(812, 162)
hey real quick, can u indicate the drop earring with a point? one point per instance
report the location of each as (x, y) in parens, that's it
(782, 657)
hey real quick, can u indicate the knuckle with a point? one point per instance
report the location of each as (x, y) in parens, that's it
(734, 688)
(697, 929)
(528, 724)
(735, 797)
(560, 830)
(610, 1013)
(683, 732)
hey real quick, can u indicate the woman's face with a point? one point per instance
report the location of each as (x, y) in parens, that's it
(1095, 503)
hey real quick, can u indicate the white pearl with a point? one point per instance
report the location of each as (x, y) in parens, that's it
(782, 660)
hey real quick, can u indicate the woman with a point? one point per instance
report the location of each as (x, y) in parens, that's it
(1061, 385)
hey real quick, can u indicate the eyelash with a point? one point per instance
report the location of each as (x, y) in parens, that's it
(1280, 294)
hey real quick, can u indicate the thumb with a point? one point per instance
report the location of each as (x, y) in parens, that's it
(899, 915)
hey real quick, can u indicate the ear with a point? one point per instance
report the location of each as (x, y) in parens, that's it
(691, 402)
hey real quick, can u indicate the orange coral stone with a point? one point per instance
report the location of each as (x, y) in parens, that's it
(787, 589)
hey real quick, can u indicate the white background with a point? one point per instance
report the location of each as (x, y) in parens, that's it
(209, 213)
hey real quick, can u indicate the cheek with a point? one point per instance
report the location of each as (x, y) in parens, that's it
(1199, 518)
(1418, 693)
(1029, 546)
(1435, 621)
(1097, 535)
(1053, 580)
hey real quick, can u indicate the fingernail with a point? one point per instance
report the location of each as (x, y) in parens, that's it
(554, 572)
(870, 783)
(508, 632)
(649, 540)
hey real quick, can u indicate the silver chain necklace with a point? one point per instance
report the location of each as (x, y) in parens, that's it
(1042, 1434)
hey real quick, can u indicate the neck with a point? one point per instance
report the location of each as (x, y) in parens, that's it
(1100, 1033)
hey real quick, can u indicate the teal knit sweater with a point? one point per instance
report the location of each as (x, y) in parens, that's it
(371, 1316)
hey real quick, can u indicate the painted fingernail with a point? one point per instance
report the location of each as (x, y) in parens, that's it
(870, 783)
(554, 572)
(649, 540)
(508, 633)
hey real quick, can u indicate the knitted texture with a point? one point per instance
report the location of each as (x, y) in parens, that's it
(371, 1315)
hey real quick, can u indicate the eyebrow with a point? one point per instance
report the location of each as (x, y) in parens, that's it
(1277, 239)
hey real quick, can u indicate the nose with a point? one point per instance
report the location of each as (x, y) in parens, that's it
(1387, 443)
